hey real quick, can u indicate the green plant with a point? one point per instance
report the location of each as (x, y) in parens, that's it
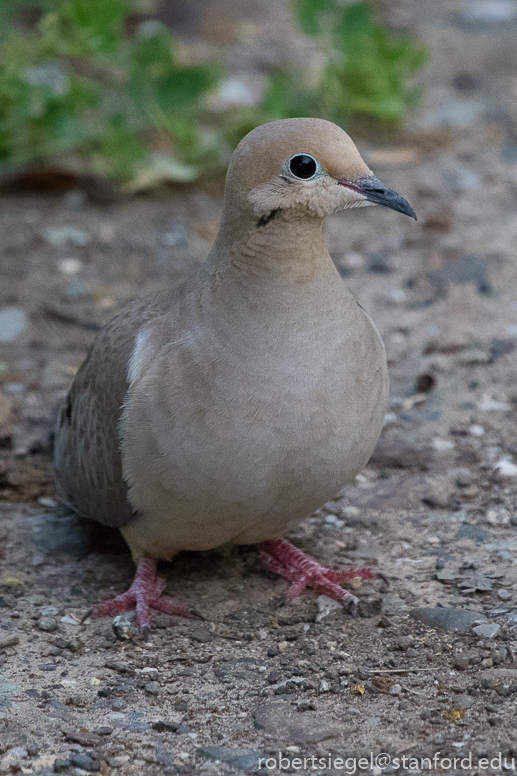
(126, 105)
(369, 71)
(365, 72)
(80, 83)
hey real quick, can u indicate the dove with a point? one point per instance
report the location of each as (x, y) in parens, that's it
(230, 408)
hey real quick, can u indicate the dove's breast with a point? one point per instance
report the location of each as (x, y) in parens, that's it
(234, 433)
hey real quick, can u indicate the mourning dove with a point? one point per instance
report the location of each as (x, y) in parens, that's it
(230, 408)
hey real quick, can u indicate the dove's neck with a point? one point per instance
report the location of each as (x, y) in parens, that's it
(273, 277)
(277, 250)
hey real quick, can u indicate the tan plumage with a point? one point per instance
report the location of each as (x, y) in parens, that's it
(232, 407)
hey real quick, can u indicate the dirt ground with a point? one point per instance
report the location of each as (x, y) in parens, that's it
(429, 666)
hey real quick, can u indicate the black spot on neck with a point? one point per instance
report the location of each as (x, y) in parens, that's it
(263, 220)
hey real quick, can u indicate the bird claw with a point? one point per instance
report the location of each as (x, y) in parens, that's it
(195, 615)
(383, 578)
(351, 606)
(302, 571)
(88, 614)
(144, 593)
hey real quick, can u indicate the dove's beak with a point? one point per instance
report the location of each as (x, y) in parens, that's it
(375, 191)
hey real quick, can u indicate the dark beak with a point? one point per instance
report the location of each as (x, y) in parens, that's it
(377, 192)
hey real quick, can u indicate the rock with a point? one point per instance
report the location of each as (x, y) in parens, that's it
(60, 235)
(120, 668)
(439, 490)
(306, 706)
(82, 737)
(48, 624)
(487, 630)
(8, 641)
(350, 512)
(61, 766)
(400, 454)
(233, 757)
(85, 762)
(279, 720)
(447, 619)
(119, 761)
(326, 606)
(475, 583)
(497, 677)
(504, 595)
(395, 689)
(392, 604)
(124, 627)
(474, 357)
(13, 322)
(506, 468)
(163, 726)
(489, 12)
(447, 575)
(370, 606)
(492, 405)
(404, 642)
(442, 445)
(201, 635)
(475, 532)
(235, 669)
(498, 516)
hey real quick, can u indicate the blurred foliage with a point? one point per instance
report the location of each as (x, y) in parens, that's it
(129, 108)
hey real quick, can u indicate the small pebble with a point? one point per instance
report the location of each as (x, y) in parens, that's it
(488, 630)
(48, 624)
(13, 322)
(60, 235)
(85, 762)
(61, 766)
(326, 606)
(506, 468)
(123, 627)
(46, 501)
(350, 511)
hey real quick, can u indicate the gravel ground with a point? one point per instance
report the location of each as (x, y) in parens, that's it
(429, 666)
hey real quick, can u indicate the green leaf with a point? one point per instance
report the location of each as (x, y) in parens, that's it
(98, 21)
(309, 12)
(158, 84)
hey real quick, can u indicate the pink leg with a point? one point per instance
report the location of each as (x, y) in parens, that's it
(301, 570)
(145, 593)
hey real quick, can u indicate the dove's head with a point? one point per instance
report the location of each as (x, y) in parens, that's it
(303, 167)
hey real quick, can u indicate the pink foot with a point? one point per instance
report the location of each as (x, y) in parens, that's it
(283, 558)
(145, 593)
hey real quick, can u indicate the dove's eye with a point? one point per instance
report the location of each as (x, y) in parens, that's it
(303, 166)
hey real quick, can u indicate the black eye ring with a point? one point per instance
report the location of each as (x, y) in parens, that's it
(303, 166)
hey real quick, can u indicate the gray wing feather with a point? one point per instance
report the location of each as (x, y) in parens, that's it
(87, 445)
